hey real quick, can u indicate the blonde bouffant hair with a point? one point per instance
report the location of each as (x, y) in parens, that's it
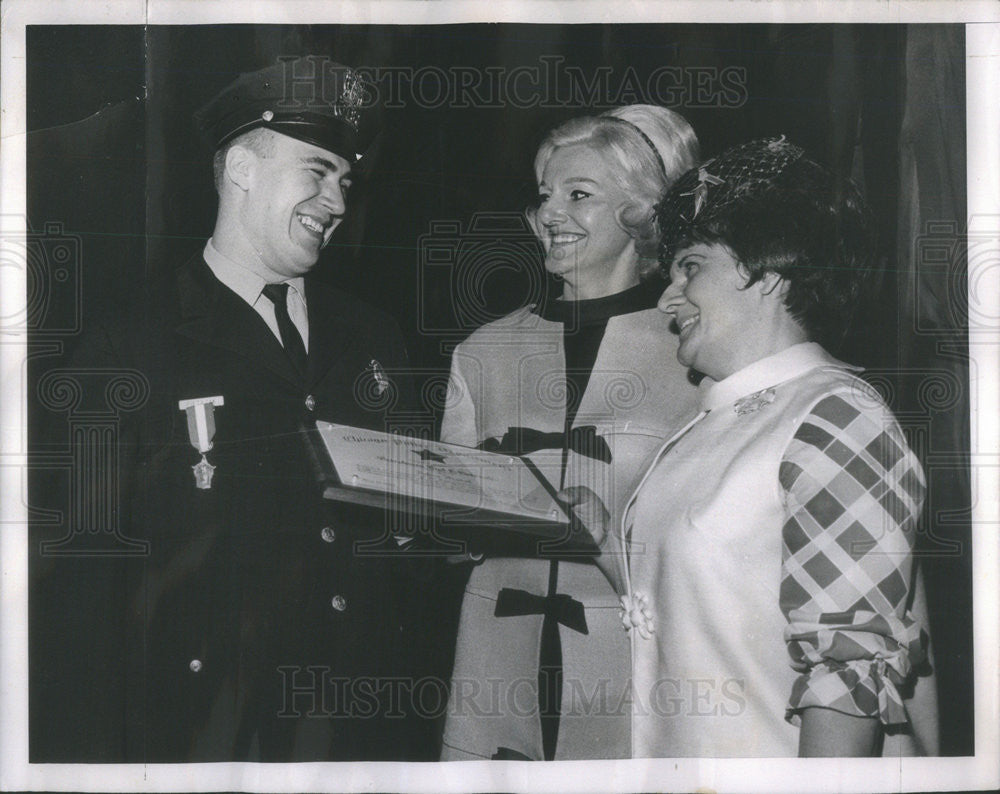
(650, 147)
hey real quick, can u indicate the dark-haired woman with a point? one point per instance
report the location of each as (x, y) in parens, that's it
(770, 572)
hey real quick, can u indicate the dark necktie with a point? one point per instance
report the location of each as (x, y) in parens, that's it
(290, 338)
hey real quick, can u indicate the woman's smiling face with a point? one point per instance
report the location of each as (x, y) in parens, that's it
(577, 220)
(716, 314)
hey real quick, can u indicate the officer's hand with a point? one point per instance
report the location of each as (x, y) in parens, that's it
(587, 507)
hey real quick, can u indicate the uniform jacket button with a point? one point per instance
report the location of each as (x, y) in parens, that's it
(328, 534)
(195, 665)
(339, 603)
(310, 402)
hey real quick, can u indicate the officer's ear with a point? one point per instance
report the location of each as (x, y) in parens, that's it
(239, 165)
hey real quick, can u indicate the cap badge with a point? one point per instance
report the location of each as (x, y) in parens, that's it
(352, 96)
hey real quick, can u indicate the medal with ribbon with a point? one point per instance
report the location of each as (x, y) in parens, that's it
(201, 430)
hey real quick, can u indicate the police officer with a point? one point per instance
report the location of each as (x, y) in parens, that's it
(265, 623)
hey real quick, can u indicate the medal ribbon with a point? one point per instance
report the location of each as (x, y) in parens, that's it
(201, 420)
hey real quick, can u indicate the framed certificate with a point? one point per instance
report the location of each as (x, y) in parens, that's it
(495, 501)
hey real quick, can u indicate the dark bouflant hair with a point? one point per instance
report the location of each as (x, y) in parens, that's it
(777, 211)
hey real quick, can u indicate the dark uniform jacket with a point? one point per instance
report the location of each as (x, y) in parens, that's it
(265, 623)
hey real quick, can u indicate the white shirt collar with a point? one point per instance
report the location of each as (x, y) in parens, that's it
(241, 280)
(770, 371)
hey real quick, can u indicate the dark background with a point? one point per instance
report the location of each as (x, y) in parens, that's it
(117, 171)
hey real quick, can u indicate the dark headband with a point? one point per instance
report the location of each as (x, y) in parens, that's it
(645, 137)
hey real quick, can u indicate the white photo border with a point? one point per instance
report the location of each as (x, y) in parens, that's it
(774, 775)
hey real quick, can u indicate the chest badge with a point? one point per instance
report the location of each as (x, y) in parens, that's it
(381, 380)
(201, 430)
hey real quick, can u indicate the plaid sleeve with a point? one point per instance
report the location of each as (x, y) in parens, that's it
(853, 491)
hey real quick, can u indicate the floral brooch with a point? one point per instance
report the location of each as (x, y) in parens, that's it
(637, 615)
(754, 402)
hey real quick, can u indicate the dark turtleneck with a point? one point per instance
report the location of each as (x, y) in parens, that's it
(584, 323)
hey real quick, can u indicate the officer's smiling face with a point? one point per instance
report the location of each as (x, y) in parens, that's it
(296, 197)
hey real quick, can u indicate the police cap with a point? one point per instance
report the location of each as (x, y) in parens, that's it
(310, 98)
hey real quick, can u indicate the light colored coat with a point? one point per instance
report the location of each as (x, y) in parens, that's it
(510, 373)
